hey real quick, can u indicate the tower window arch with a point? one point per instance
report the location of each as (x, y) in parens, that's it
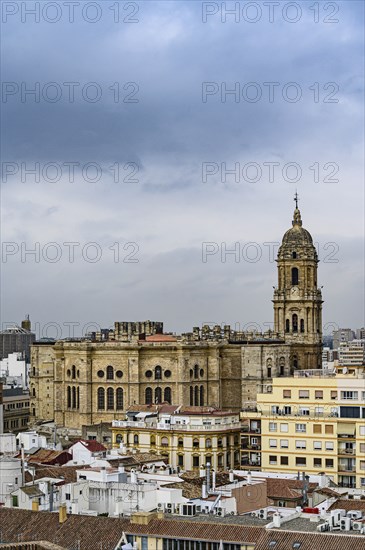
(201, 396)
(109, 373)
(148, 396)
(101, 399)
(73, 371)
(287, 325)
(294, 255)
(196, 371)
(69, 397)
(119, 398)
(158, 372)
(110, 399)
(158, 395)
(74, 397)
(294, 276)
(196, 395)
(191, 395)
(295, 322)
(167, 395)
(302, 325)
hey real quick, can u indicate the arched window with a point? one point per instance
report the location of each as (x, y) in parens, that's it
(196, 395)
(269, 372)
(109, 373)
(294, 255)
(101, 398)
(295, 322)
(295, 362)
(73, 397)
(158, 373)
(158, 395)
(180, 442)
(110, 399)
(167, 395)
(164, 442)
(153, 441)
(191, 395)
(119, 398)
(208, 443)
(201, 396)
(294, 276)
(69, 397)
(196, 443)
(287, 325)
(196, 371)
(78, 397)
(302, 325)
(135, 439)
(148, 396)
(119, 439)
(73, 370)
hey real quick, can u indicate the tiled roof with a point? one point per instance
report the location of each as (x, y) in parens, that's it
(92, 445)
(326, 491)
(160, 338)
(44, 456)
(22, 525)
(287, 489)
(348, 504)
(32, 491)
(66, 472)
(285, 540)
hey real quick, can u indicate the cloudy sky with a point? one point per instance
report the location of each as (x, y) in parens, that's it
(155, 128)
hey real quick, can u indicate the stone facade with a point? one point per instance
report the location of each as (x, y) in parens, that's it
(95, 380)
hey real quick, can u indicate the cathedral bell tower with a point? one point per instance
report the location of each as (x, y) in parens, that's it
(297, 299)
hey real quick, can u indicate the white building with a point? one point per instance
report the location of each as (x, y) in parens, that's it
(352, 353)
(15, 370)
(10, 476)
(86, 451)
(31, 440)
(43, 495)
(7, 444)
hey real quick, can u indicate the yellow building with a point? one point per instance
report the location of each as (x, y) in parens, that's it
(314, 422)
(188, 437)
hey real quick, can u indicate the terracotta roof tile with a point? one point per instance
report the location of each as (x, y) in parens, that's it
(348, 504)
(285, 540)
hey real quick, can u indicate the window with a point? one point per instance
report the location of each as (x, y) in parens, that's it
(295, 322)
(300, 428)
(273, 459)
(101, 398)
(201, 396)
(302, 325)
(328, 429)
(318, 394)
(269, 372)
(220, 443)
(317, 428)
(273, 443)
(73, 371)
(317, 445)
(317, 462)
(153, 441)
(300, 444)
(284, 443)
(294, 276)
(158, 395)
(158, 372)
(109, 372)
(362, 447)
(195, 461)
(329, 462)
(273, 426)
(100, 373)
(362, 430)
(300, 461)
(333, 394)
(135, 439)
(284, 461)
(349, 395)
(148, 396)
(362, 481)
(196, 443)
(164, 442)
(148, 373)
(167, 395)
(284, 428)
(180, 442)
(287, 325)
(362, 464)
(191, 395)
(180, 460)
(196, 396)
(119, 439)
(119, 398)
(208, 443)
(196, 371)
(110, 399)
(287, 409)
(303, 394)
(319, 411)
(69, 397)
(304, 411)
(119, 374)
(74, 402)
(287, 394)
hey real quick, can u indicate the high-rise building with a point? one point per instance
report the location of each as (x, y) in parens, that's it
(17, 339)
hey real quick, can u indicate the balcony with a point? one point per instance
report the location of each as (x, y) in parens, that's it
(346, 451)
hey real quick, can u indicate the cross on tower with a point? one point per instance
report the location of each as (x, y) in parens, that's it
(296, 199)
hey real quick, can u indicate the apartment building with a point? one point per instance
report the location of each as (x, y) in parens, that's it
(314, 422)
(188, 437)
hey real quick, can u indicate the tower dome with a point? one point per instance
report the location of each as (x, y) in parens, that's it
(297, 241)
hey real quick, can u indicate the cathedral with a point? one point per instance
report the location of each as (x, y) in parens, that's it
(96, 379)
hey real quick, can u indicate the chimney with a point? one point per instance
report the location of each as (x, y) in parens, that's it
(231, 476)
(213, 480)
(204, 490)
(249, 478)
(276, 520)
(208, 477)
(62, 513)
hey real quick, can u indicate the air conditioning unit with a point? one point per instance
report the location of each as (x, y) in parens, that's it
(354, 514)
(357, 525)
(263, 514)
(323, 527)
(345, 524)
(219, 513)
(177, 508)
(169, 507)
(159, 506)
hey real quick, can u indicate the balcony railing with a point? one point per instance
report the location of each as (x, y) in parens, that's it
(176, 427)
